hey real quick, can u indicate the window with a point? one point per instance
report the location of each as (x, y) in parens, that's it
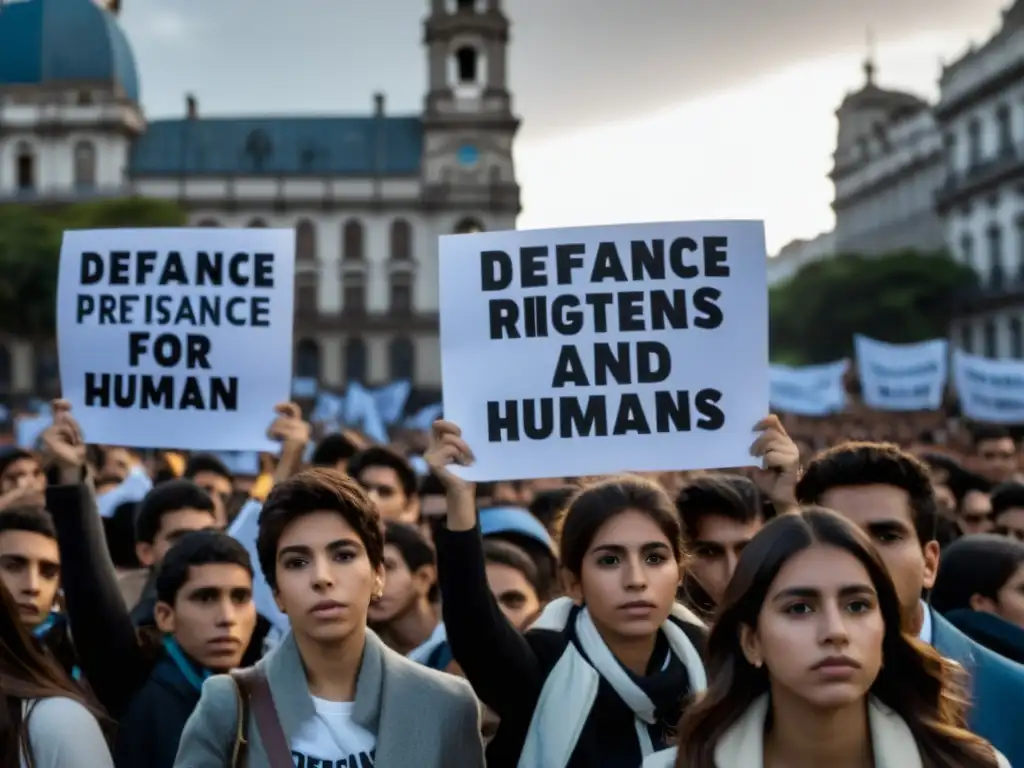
(26, 168)
(967, 250)
(257, 223)
(401, 294)
(974, 148)
(997, 270)
(401, 240)
(258, 148)
(307, 360)
(355, 360)
(466, 6)
(991, 339)
(352, 241)
(47, 373)
(468, 226)
(1005, 121)
(1020, 248)
(353, 295)
(305, 242)
(85, 165)
(305, 295)
(967, 337)
(6, 376)
(1016, 338)
(466, 65)
(402, 359)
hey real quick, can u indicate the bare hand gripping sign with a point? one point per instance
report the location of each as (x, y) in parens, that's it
(585, 351)
(176, 338)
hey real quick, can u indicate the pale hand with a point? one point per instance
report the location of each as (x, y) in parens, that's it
(447, 448)
(288, 427)
(22, 496)
(780, 463)
(62, 441)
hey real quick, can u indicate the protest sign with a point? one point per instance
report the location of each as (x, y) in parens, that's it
(902, 377)
(590, 350)
(176, 338)
(810, 390)
(990, 391)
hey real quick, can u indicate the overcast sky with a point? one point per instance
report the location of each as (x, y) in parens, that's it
(576, 65)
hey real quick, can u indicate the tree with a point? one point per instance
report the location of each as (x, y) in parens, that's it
(30, 239)
(900, 298)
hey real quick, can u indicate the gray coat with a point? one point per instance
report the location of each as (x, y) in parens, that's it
(420, 717)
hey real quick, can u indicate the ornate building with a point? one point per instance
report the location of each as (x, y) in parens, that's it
(368, 195)
(981, 114)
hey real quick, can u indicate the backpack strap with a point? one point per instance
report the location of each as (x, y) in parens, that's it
(240, 752)
(253, 688)
(26, 745)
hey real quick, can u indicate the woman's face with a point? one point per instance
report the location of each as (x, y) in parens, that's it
(1009, 603)
(819, 633)
(324, 577)
(629, 576)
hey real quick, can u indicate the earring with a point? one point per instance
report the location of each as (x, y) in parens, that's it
(758, 663)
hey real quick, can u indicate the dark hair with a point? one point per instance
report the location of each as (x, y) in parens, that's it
(163, 499)
(732, 496)
(505, 553)
(119, 531)
(981, 433)
(548, 505)
(30, 519)
(197, 548)
(206, 462)
(10, 455)
(1006, 496)
(379, 456)
(413, 545)
(860, 464)
(316, 490)
(975, 565)
(915, 681)
(595, 505)
(332, 449)
(29, 673)
(970, 482)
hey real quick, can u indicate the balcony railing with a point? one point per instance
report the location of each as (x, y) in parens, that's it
(960, 184)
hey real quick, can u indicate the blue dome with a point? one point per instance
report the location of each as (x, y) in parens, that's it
(45, 42)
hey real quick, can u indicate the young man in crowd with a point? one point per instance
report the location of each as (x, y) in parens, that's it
(210, 474)
(888, 493)
(390, 482)
(22, 479)
(974, 508)
(167, 512)
(514, 581)
(405, 616)
(334, 451)
(1008, 510)
(205, 616)
(995, 453)
(720, 514)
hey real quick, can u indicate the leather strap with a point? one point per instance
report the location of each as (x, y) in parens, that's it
(240, 753)
(254, 686)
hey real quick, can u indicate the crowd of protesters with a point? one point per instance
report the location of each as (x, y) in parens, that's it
(855, 598)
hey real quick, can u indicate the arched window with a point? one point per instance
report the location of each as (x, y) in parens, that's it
(6, 370)
(466, 6)
(352, 241)
(468, 226)
(991, 339)
(401, 240)
(25, 167)
(997, 268)
(1016, 338)
(466, 62)
(402, 359)
(209, 223)
(85, 165)
(47, 373)
(307, 360)
(257, 223)
(355, 360)
(967, 337)
(353, 294)
(305, 242)
(401, 290)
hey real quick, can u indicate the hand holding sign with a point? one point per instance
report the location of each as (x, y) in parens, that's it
(780, 463)
(64, 445)
(288, 427)
(447, 448)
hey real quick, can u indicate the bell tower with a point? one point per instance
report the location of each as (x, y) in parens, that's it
(469, 126)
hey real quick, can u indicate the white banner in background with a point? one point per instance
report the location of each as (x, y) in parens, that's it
(810, 390)
(902, 377)
(991, 391)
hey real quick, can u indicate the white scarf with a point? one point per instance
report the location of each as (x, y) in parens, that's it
(570, 690)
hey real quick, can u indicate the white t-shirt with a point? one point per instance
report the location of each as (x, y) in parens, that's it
(332, 739)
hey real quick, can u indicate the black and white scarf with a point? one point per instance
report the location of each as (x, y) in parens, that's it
(571, 688)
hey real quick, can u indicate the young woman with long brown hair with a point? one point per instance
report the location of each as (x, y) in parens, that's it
(46, 721)
(808, 665)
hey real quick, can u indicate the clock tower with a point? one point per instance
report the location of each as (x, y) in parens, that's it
(468, 124)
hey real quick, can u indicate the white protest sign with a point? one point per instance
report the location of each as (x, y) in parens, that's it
(176, 338)
(582, 351)
(902, 377)
(810, 390)
(990, 391)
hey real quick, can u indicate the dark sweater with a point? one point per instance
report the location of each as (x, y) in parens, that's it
(508, 669)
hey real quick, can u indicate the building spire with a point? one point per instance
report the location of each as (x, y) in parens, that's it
(869, 60)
